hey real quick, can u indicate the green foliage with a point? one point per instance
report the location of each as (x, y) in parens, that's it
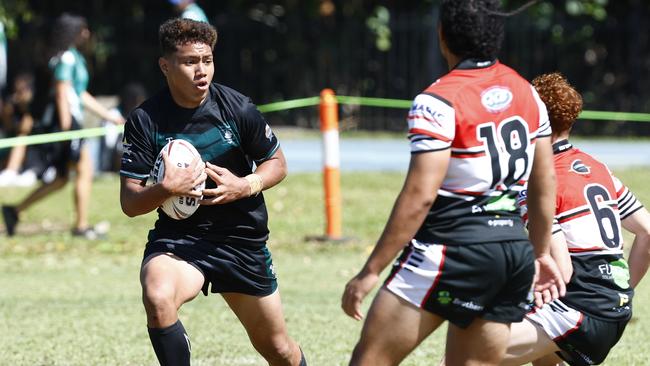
(13, 11)
(73, 302)
(379, 23)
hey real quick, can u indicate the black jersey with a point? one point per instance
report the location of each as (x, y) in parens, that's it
(228, 131)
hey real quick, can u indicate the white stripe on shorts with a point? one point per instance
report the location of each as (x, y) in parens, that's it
(418, 273)
(557, 319)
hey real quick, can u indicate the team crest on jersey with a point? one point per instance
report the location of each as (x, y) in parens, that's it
(227, 133)
(496, 98)
(126, 147)
(579, 167)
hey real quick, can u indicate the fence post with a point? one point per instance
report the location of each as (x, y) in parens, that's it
(329, 125)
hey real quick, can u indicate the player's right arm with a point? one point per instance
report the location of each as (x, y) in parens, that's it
(139, 155)
(137, 198)
(424, 178)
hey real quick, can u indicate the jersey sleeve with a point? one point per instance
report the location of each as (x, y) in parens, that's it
(544, 129)
(64, 69)
(432, 124)
(139, 153)
(258, 140)
(627, 202)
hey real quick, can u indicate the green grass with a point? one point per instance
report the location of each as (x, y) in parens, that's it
(65, 301)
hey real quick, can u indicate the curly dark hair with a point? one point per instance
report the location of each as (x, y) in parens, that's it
(563, 102)
(472, 28)
(180, 31)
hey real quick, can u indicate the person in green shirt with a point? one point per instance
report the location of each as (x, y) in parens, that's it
(3, 58)
(70, 97)
(189, 9)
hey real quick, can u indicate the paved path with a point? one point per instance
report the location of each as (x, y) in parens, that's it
(393, 155)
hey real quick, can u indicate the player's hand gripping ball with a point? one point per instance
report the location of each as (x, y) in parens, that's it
(181, 153)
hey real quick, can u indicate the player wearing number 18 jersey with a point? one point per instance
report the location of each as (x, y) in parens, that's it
(474, 136)
(490, 118)
(591, 206)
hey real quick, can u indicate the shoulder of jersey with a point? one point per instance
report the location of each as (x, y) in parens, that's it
(444, 88)
(228, 92)
(579, 162)
(68, 57)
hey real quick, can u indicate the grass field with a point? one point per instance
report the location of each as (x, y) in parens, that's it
(66, 301)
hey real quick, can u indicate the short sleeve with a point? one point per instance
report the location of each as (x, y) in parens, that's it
(432, 124)
(544, 126)
(63, 71)
(139, 152)
(258, 140)
(627, 202)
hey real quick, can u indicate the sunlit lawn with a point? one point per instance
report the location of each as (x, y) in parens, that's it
(66, 301)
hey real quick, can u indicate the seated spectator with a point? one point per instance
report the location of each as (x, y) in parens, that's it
(17, 121)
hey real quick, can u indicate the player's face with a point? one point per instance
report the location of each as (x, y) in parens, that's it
(189, 72)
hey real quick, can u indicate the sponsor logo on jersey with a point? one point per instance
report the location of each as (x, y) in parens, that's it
(501, 203)
(623, 299)
(423, 109)
(620, 273)
(496, 99)
(579, 167)
(501, 223)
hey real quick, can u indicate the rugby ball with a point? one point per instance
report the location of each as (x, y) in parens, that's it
(181, 153)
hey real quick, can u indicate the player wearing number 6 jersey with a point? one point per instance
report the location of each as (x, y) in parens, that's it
(591, 206)
(477, 135)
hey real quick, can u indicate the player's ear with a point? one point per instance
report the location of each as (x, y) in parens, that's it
(164, 65)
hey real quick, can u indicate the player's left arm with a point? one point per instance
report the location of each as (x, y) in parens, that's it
(425, 175)
(638, 223)
(273, 170)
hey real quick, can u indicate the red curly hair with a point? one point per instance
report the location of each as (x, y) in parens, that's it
(563, 102)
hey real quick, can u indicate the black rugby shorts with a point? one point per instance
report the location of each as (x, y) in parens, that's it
(246, 269)
(460, 283)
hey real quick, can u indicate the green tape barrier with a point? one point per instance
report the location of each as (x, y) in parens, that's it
(401, 103)
(293, 104)
(45, 138)
(375, 102)
(615, 116)
(289, 104)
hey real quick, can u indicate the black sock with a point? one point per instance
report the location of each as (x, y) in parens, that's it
(303, 362)
(171, 344)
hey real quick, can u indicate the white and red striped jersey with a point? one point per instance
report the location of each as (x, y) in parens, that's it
(590, 202)
(590, 205)
(490, 118)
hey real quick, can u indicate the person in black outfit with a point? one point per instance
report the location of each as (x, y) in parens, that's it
(221, 248)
